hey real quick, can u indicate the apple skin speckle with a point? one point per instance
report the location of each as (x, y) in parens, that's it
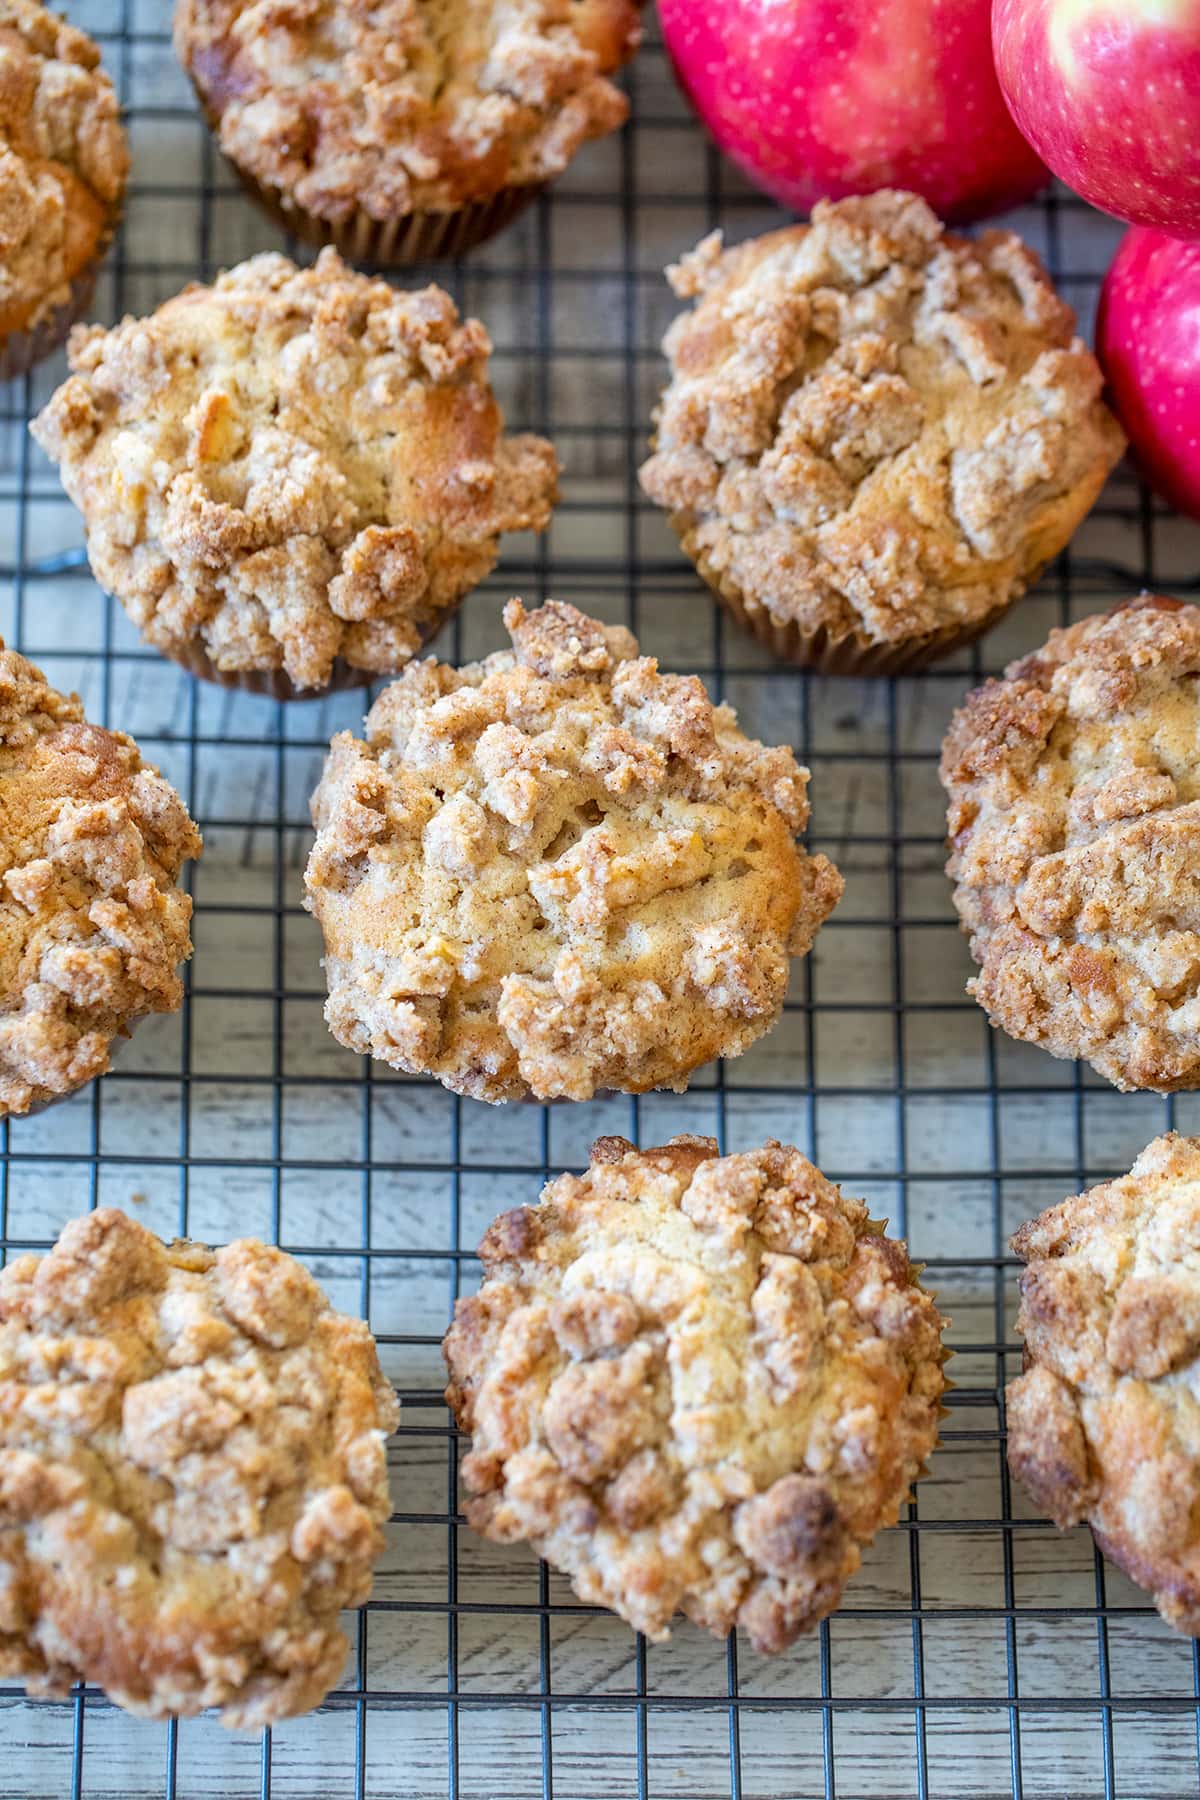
(818, 99)
(1148, 343)
(1108, 93)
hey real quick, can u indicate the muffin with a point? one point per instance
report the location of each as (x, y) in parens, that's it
(1102, 1423)
(558, 871)
(695, 1383)
(289, 479)
(1074, 833)
(403, 131)
(93, 925)
(193, 1476)
(875, 433)
(63, 166)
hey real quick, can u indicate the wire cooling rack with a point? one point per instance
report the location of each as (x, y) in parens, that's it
(979, 1653)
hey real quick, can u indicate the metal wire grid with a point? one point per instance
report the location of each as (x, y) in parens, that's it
(979, 1653)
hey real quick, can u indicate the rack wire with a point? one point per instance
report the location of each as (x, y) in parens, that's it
(979, 1654)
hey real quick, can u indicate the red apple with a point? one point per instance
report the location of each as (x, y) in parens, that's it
(1108, 93)
(1148, 341)
(816, 99)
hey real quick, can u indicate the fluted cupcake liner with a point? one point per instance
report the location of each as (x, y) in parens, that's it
(395, 243)
(274, 683)
(413, 237)
(832, 653)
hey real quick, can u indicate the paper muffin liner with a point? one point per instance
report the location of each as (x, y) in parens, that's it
(831, 653)
(21, 350)
(414, 237)
(395, 243)
(272, 682)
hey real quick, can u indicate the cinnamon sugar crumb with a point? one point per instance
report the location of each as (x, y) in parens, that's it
(1074, 829)
(872, 426)
(192, 1474)
(1100, 1423)
(559, 870)
(395, 108)
(695, 1383)
(93, 925)
(63, 160)
(293, 466)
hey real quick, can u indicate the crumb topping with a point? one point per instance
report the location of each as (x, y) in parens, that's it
(293, 466)
(1074, 831)
(873, 426)
(559, 870)
(92, 924)
(193, 1476)
(63, 160)
(695, 1383)
(395, 106)
(1102, 1423)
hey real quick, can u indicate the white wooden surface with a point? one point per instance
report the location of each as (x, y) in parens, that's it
(953, 1132)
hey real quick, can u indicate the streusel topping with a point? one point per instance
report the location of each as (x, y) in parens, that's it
(559, 870)
(292, 466)
(63, 159)
(873, 426)
(399, 106)
(1074, 828)
(695, 1383)
(92, 924)
(1102, 1425)
(192, 1473)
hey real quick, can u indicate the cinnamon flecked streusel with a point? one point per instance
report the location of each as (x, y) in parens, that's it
(405, 108)
(695, 1383)
(292, 470)
(63, 166)
(192, 1474)
(559, 870)
(1102, 1424)
(1074, 831)
(93, 925)
(875, 433)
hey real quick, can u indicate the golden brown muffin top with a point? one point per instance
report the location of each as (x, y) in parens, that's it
(873, 426)
(92, 925)
(1074, 828)
(1104, 1424)
(192, 1474)
(559, 870)
(695, 1383)
(292, 466)
(399, 106)
(63, 160)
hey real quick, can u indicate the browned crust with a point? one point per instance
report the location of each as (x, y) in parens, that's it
(1074, 835)
(192, 1474)
(1177, 1596)
(21, 350)
(408, 109)
(559, 871)
(93, 923)
(875, 433)
(1047, 1449)
(1101, 1423)
(695, 1383)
